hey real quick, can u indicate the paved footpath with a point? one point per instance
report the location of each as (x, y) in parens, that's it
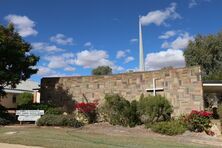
(5, 145)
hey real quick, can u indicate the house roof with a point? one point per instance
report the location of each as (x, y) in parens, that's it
(23, 86)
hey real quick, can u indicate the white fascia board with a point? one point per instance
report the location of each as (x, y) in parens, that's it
(212, 84)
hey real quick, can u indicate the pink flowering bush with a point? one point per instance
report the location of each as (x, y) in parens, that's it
(198, 121)
(87, 109)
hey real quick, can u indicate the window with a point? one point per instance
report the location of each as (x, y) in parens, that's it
(187, 91)
(163, 84)
(180, 82)
(141, 78)
(167, 74)
(166, 84)
(14, 99)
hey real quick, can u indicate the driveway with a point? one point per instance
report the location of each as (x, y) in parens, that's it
(4, 145)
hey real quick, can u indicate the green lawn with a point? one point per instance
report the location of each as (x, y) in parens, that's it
(71, 138)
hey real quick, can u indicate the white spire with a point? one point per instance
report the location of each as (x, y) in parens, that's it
(141, 66)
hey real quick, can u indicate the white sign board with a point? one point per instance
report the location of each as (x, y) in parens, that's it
(29, 115)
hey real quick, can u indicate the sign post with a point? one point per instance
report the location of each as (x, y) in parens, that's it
(29, 115)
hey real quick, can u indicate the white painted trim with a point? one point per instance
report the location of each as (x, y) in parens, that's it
(212, 84)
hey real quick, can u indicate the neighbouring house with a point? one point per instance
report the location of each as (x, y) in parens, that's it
(212, 92)
(9, 101)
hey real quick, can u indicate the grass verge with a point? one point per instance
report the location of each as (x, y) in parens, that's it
(77, 138)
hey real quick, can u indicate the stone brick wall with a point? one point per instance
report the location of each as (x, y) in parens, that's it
(182, 87)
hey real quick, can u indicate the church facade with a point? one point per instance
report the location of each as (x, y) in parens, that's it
(181, 86)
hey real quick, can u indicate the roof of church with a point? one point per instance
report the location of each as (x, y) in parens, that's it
(212, 81)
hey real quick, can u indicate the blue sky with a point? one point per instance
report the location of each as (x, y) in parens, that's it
(72, 37)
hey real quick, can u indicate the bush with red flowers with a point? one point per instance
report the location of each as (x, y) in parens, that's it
(85, 107)
(198, 121)
(88, 109)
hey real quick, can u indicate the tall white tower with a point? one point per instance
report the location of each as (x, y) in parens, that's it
(141, 55)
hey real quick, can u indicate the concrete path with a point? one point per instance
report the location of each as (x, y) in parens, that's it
(5, 145)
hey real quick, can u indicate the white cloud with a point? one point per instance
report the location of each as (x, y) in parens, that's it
(88, 44)
(45, 47)
(65, 61)
(167, 34)
(45, 71)
(120, 54)
(95, 58)
(159, 17)
(180, 42)
(56, 62)
(61, 39)
(165, 45)
(68, 55)
(129, 59)
(70, 69)
(192, 3)
(170, 57)
(127, 50)
(48, 72)
(23, 25)
(133, 40)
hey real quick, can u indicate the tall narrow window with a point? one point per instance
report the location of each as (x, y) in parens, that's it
(14, 99)
(166, 84)
(180, 82)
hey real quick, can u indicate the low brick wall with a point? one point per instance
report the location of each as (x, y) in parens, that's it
(182, 87)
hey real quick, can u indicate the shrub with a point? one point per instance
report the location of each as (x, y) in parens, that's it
(81, 117)
(58, 120)
(198, 121)
(86, 111)
(173, 127)
(219, 111)
(119, 111)
(2, 109)
(25, 98)
(4, 121)
(154, 109)
(54, 111)
(133, 114)
(5, 117)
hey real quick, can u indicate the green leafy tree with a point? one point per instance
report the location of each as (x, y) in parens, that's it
(102, 70)
(206, 51)
(25, 98)
(16, 61)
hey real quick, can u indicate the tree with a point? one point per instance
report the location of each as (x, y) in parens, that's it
(25, 98)
(206, 51)
(16, 61)
(102, 70)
